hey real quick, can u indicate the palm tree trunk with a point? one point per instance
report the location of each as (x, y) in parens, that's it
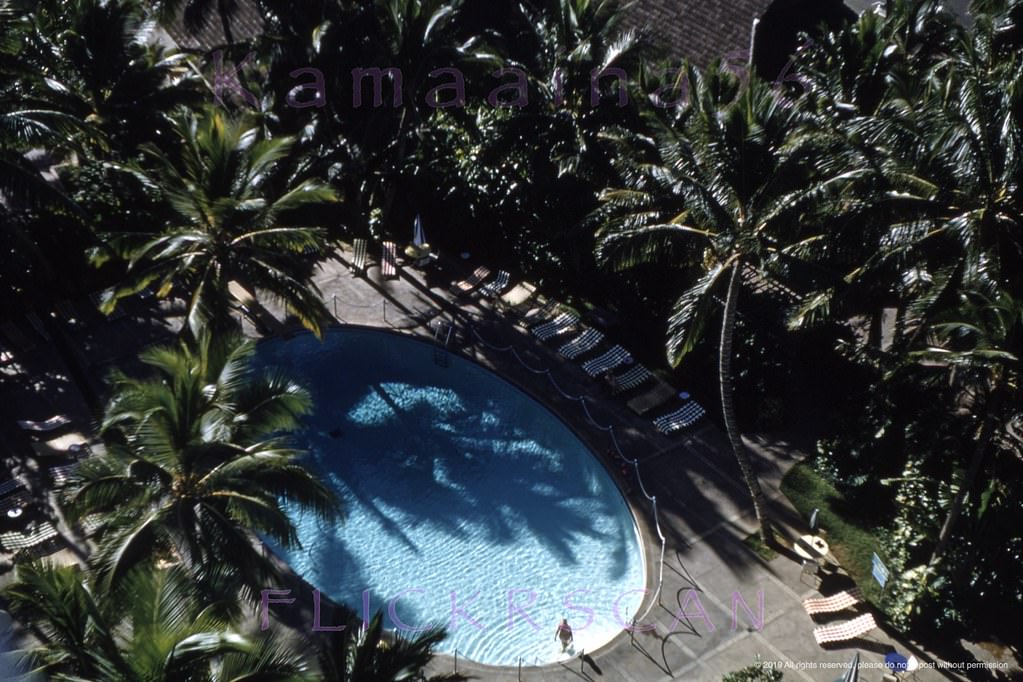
(956, 509)
(728, 406)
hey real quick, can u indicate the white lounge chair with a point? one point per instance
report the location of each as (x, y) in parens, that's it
(559, 325)
(841, 632)
(498, 286)
(62, 474)
(359, 248)
(586, 341)
(685, 416)
(631, 378)
(389, 262)
(603, 364)
(54, 422)
(544, 312)
(836, 602)
(470, 283)
(15, 541)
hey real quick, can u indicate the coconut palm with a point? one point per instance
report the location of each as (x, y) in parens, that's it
(981, 345)
(198, 461)
(233, 198)
(101, 67)
(155, 628)
(364, 653)
(726, 182)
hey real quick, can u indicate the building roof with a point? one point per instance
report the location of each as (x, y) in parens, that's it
(246, 23)
(699, 30)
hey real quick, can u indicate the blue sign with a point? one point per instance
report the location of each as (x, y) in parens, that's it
(878, 569)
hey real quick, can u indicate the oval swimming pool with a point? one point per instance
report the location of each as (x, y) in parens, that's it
(468, 503)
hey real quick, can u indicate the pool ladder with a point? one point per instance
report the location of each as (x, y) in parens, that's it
(440, 353)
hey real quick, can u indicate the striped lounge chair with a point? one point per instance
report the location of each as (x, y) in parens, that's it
(359, 249)
(559, 325)
(586, 341)
(389, 262)
(631, 378)
(498, 286)
(469, 284)
(15, 541)
(836, 602)
(20, 497)
(60, 475)
(684, 416)
(603, 364)
(842, 632)
(544, 312)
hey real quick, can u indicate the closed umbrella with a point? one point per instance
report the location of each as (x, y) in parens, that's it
(418, 238)
(814, 521)
(418, 248)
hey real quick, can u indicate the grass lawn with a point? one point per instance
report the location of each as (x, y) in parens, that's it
(851, 540)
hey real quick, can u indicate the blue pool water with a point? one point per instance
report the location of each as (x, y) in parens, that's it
(467, 502)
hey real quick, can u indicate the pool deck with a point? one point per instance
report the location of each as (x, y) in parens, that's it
(703, 506)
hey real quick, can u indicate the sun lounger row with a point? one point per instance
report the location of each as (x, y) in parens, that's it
(583, 343)
(836, 602)
(559, 325)
(684, 416)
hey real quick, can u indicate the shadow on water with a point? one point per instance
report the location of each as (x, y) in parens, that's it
(461, 455)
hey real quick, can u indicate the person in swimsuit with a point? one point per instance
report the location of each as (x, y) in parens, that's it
(564, 633)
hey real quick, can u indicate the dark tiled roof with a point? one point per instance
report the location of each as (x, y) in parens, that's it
(697, 29)
(246, 23)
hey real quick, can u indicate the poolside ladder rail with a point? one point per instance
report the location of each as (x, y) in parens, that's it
(440, 353)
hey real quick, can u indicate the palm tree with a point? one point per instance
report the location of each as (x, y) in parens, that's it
(197, 461)
(981, 345)
(726, 181)
(232, 197)
(101, 68)
(361, 653)
(155, 628)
